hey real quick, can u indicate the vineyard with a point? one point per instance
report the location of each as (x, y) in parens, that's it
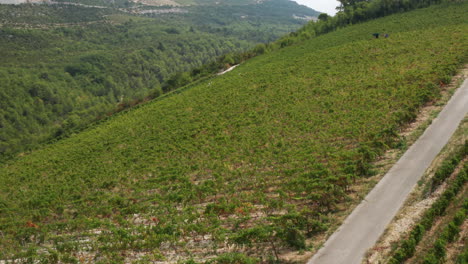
(63, 66)
(441, 225)
(242, 167)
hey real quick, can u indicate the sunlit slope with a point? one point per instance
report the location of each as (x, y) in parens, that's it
(260, 154)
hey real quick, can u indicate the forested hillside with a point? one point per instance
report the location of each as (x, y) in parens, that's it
(241, 167)
(64, 66)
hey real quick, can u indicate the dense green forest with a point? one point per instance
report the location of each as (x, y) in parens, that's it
(64, 66)
(241, 167)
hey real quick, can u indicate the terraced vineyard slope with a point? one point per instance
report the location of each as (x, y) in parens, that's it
(442, 228)
(243, 166)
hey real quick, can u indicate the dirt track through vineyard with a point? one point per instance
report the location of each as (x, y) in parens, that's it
(367, 222)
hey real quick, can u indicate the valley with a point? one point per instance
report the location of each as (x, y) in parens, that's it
(65, 66)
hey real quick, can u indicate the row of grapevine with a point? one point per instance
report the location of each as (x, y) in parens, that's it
(407, 246)
(438, 251)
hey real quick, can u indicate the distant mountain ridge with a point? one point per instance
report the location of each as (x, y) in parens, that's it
(156, 3)
(145, 7)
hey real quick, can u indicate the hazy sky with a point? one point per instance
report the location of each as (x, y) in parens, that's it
(327, 6)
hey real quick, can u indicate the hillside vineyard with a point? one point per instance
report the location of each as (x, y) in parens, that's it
(241, 167)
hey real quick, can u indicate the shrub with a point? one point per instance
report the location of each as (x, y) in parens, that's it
(233, 258)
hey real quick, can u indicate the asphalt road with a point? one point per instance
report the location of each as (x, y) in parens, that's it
(361, 230)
